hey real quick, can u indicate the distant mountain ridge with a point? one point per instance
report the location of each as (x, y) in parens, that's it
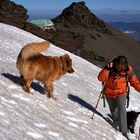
(131, 29)
(120, 17)
(108, 15)
(116, 11)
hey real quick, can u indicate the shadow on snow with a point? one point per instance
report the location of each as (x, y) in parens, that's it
(16, 80)
(90, 107)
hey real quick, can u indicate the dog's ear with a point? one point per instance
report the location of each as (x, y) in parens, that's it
(138, 113)
(64, 62)
(67, 63)
(66, 56)
(67, 59)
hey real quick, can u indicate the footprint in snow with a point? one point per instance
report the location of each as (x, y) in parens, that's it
(76, 120)
(34, 135)
(73, 124)
(19, 96)
(40, 125)
(8, 101)
(54, 134)
(68, 112)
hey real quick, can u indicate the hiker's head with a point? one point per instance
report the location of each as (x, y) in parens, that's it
(120, 64)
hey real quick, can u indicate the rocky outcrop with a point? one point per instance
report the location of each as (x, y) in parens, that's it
(16, 15)
(12, 14)
(78, 15)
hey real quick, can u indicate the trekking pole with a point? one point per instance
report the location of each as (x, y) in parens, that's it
(128, 91)
(139, 134)
(103, 97)
(98, 100)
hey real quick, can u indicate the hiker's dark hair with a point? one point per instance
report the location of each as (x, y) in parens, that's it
(121, 60)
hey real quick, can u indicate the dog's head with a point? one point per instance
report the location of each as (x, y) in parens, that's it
(67, 63)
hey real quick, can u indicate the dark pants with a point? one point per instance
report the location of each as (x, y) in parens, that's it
(118, 111)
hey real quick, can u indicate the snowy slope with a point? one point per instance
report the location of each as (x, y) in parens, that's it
(35, 117)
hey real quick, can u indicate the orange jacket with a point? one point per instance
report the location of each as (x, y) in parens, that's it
(117, 86)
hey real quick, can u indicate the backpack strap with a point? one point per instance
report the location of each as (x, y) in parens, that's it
(128, 90)
(127, 76)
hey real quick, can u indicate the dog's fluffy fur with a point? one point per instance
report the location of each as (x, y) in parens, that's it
(33, 65)
(131, 120)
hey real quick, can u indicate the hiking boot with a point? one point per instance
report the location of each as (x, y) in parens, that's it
(115, 123)
(116, 126)
(125, 135)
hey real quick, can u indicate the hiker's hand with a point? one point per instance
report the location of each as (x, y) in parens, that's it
(109, 66)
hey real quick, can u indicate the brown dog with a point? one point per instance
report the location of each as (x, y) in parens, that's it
(33, 65)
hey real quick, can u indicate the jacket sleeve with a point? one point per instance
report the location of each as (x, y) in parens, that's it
(103, 75)
(134, 82)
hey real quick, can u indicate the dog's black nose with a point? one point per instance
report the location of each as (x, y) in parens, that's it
(71, 71)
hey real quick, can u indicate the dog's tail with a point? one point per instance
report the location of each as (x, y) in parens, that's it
(33, 49)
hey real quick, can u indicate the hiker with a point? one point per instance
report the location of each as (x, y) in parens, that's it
(116, 75)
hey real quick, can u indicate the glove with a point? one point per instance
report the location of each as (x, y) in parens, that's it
(109, 66)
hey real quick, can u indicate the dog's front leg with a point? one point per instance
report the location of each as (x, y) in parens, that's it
(50, 88)
(131, 128)
(21, 80)
(28, 84)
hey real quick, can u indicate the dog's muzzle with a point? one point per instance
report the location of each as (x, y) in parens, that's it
(71, 70)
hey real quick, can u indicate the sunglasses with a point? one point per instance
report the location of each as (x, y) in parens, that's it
(121, 68)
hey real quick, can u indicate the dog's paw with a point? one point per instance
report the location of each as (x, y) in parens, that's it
(54, 98)
(51, 97)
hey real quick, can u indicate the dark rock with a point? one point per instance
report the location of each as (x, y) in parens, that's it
(78, 15)
(12, 14)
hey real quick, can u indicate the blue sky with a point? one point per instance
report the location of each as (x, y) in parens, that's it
(92, 4)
